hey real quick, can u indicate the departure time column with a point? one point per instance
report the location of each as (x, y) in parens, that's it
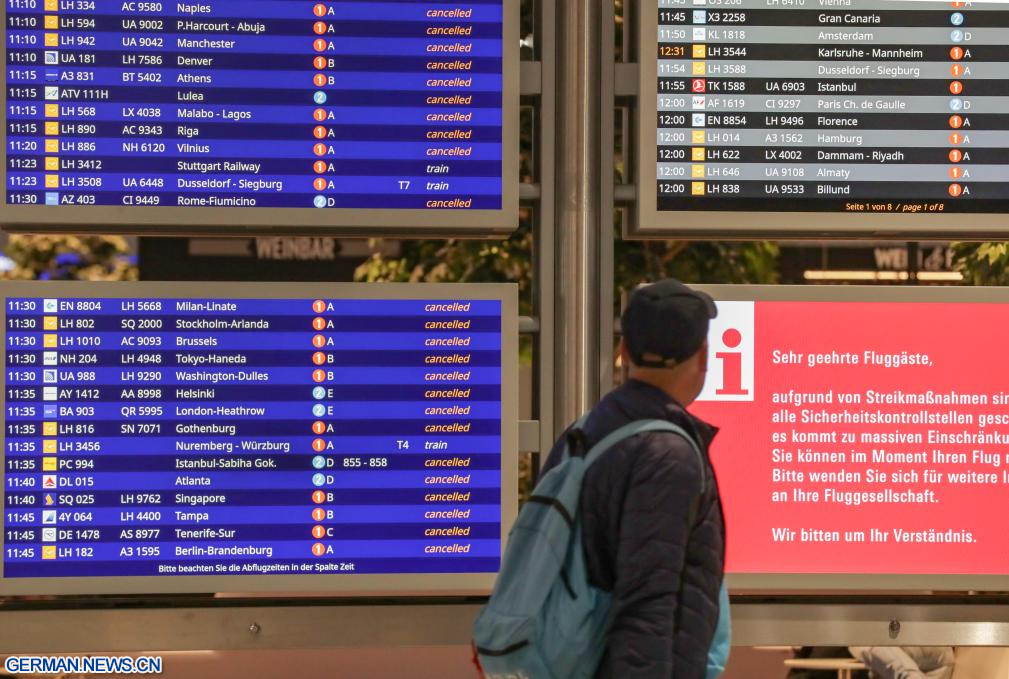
(700, 102)
(24, 101)
(63, 387)
(23, 496)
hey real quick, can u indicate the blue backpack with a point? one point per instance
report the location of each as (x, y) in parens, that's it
(718, 654)
(544, 620)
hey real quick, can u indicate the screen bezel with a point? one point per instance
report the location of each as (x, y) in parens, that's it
(650, 223)
(216, 221)
(421, 584)
(820, 582)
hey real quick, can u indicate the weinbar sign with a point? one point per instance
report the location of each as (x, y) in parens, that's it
(864, 435)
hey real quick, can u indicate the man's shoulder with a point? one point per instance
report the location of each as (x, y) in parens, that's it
(660, 449)
(622, 407)
(649, 453)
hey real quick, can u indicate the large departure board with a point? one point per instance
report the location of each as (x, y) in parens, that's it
(256, 437)
(218, 115)
(824, 118)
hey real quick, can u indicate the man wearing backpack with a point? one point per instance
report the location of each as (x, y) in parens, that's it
(613, 569)
(651, 519)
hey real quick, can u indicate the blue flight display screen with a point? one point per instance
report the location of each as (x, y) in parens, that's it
(216, 436)
(393, 104)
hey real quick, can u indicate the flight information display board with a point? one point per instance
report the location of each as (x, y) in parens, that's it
(337, 116)
(864, 436)
(823, 118)
(202, 437)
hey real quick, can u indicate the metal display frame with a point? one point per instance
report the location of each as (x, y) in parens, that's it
(308, 221)
(406, 584)
(566, 336)
(651, 223)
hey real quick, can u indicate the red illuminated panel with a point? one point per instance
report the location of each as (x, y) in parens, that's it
(862, 437)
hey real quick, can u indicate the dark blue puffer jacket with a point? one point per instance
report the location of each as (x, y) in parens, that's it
(650, 539)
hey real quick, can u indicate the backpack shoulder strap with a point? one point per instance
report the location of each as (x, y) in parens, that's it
(641, 427)
(575, 442)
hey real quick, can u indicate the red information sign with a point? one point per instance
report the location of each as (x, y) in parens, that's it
(862, 437)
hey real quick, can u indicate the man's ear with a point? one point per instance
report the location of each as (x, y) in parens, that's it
(702, 357)
(624, 353)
